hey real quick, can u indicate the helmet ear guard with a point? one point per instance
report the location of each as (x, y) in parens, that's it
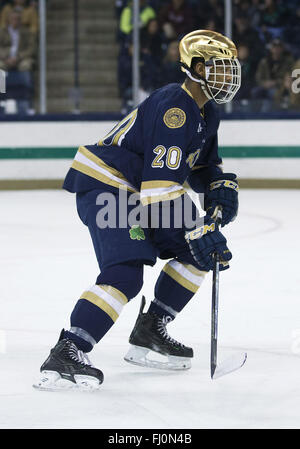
(197, 78)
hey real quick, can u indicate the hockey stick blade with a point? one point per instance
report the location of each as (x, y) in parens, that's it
(233, 363)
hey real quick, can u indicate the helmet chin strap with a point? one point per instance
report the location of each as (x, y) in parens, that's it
(202, 81)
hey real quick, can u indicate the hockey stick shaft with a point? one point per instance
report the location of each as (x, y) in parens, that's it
(215, 302)
(233, 363)
(214, 316)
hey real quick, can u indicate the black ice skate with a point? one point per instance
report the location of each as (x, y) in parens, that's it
(150, 334)
(68, 368)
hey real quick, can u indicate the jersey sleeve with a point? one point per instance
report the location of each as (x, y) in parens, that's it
(165, 168)
(207, 167)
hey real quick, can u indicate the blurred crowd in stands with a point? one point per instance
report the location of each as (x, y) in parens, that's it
(266, 33)
(18, 46)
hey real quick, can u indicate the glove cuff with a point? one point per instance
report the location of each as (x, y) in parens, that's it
(209, 225)
(229, 176)
(225, 180)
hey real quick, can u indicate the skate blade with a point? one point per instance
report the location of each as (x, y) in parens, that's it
(52, 381)
(229, 365)
(137, 356)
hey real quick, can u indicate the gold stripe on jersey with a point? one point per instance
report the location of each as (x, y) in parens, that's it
(196, 167)
(101, 163)
(160, 190)
(117, 132)
(165, 197)
(158, 184)
(183, 86)
(186, 275)
(88, 163)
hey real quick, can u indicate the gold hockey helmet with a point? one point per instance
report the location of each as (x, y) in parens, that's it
(222, 68)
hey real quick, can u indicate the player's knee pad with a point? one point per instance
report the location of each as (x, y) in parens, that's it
(126, 277)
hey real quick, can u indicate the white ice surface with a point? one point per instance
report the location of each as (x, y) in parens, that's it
(47, 260)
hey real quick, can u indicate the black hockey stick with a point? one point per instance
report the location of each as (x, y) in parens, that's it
(214, 316)
(236, 361)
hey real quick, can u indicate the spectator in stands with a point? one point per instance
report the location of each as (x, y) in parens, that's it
(171, 71)
(211, 25)
(274, 17)
(17, 46)
(149, 75)
(157, 4)
(153, 41)
(291, 33)
(17, 49)
(209, 11)
(273, 14)
(29, 16)
(119, 6)
(126, 23)
(254, 13)
(284, 97)
(244, 34)
(248, 73)
(271, 72)
(176, 19)
(256, 24)
(241, 7)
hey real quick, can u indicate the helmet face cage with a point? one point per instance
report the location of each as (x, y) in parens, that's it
(223, 78)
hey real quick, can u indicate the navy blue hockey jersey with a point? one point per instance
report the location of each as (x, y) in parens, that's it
(154, 150)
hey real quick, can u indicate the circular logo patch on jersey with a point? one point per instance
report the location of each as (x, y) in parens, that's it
(174, 118)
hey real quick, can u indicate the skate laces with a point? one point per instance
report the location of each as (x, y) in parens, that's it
(77, 355)
(161, 327)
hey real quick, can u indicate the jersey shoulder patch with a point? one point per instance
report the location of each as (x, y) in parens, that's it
(174, 118)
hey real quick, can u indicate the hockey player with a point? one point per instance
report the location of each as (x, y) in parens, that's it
(169, 139)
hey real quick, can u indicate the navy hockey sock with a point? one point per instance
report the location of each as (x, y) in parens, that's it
(176, 285)
(100, 305)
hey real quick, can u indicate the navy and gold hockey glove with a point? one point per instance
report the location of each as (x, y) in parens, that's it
(223, 191)
(206, 240)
